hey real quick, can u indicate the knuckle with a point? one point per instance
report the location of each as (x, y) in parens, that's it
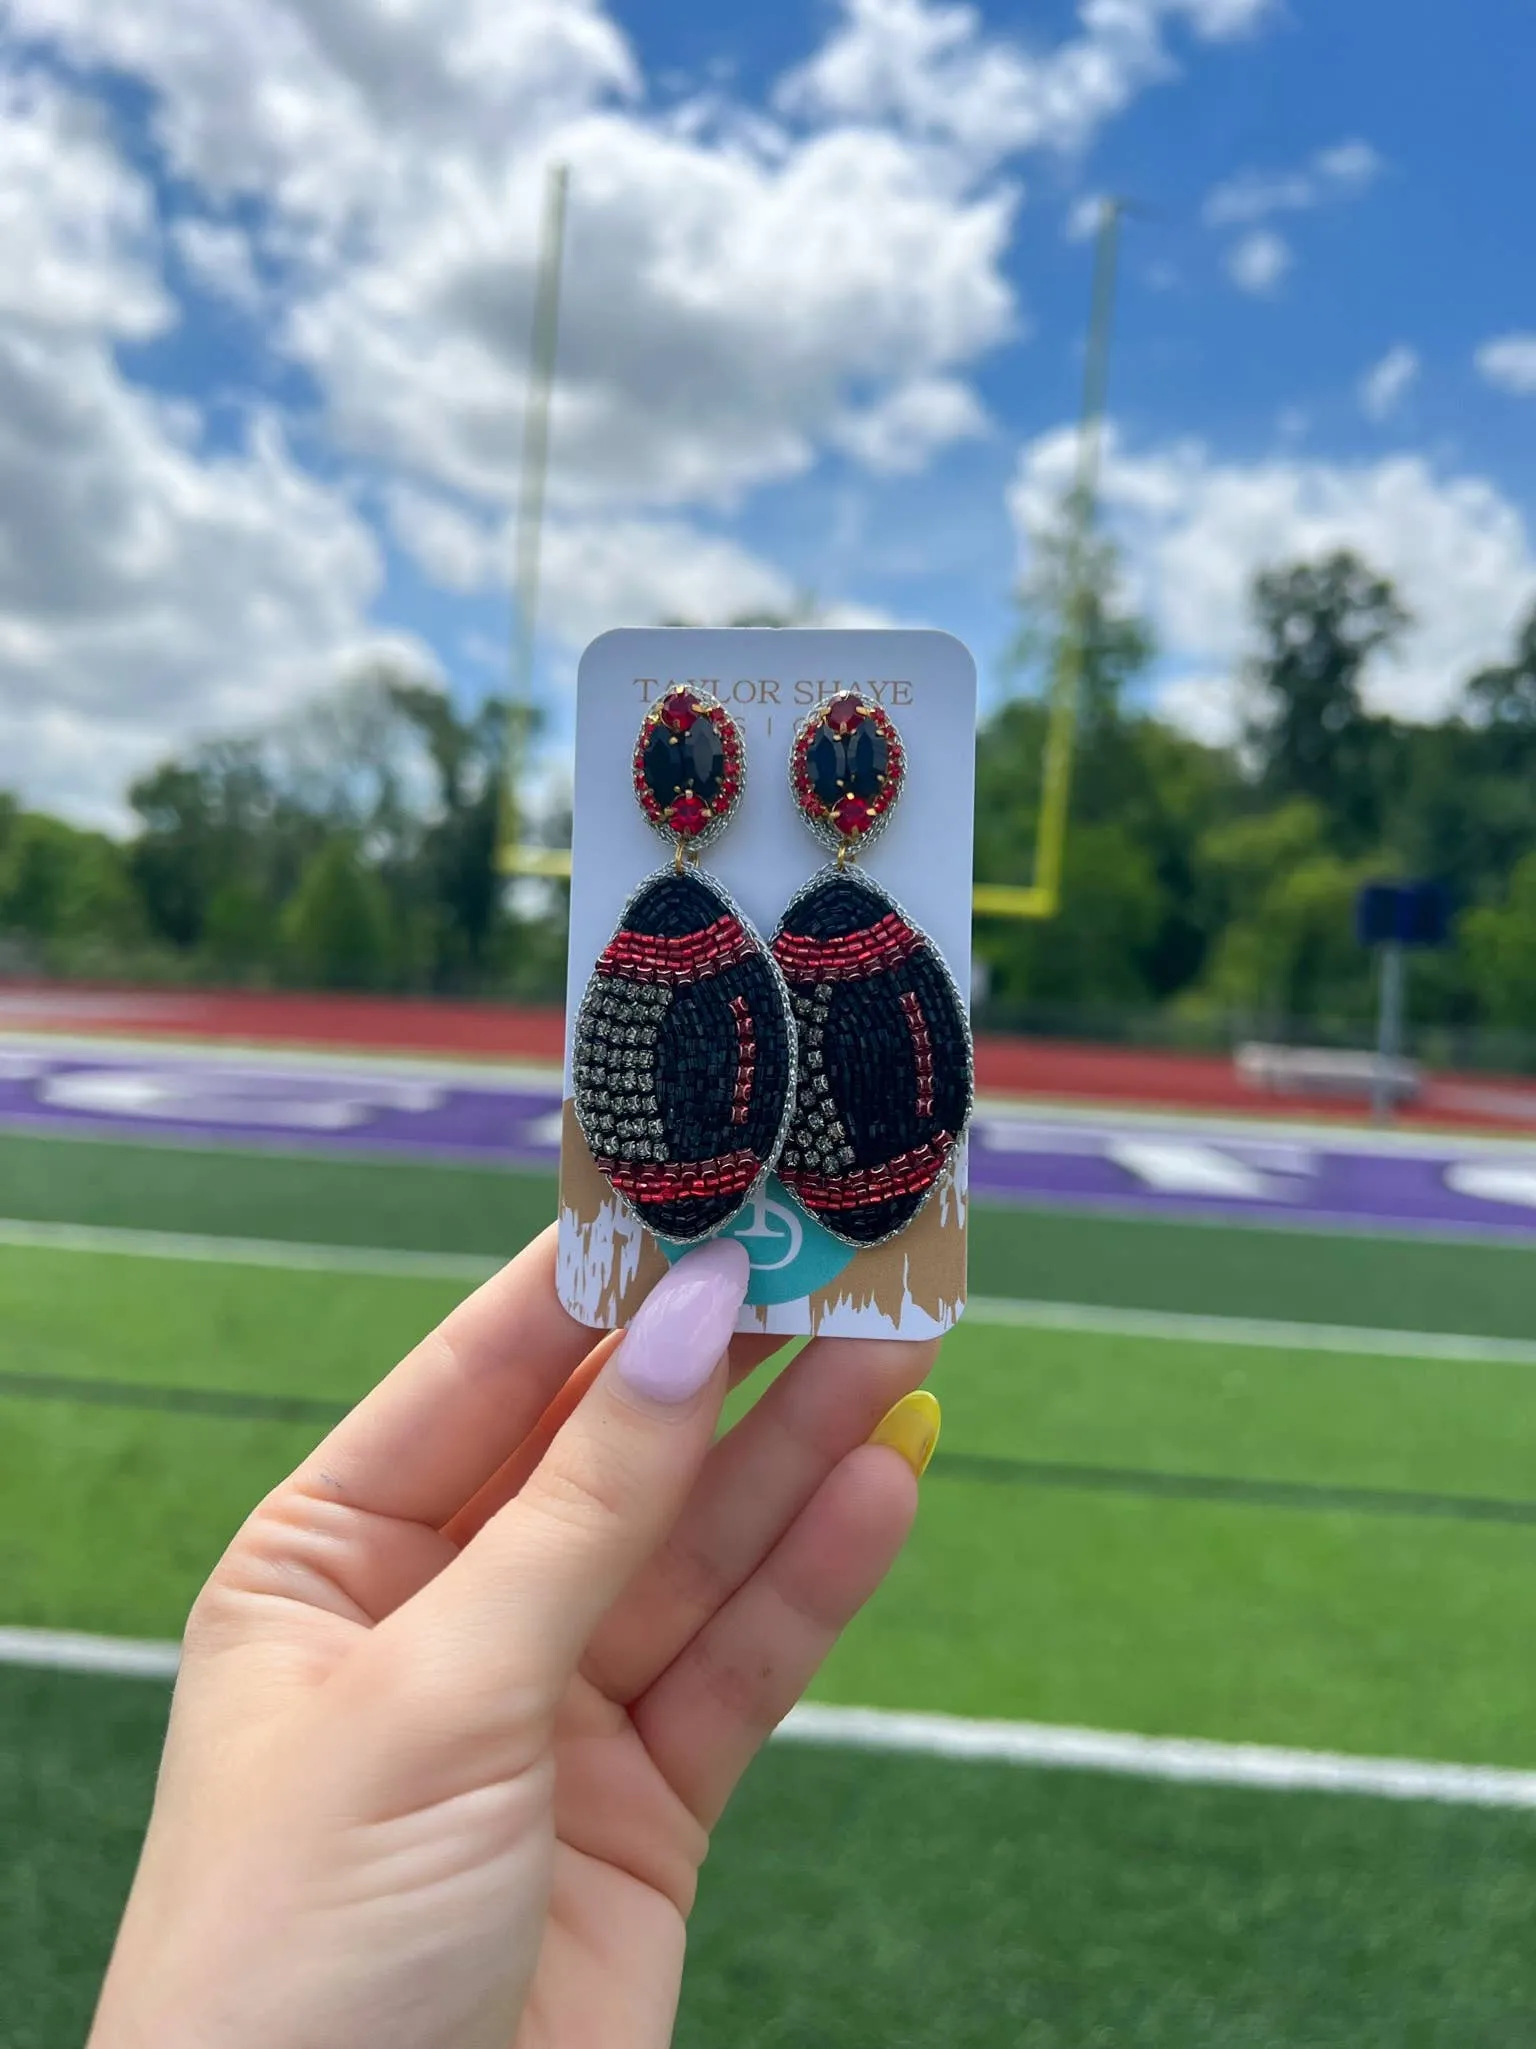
(582, 1495)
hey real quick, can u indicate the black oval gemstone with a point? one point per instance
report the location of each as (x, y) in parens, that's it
(677, 762)
(851, 767)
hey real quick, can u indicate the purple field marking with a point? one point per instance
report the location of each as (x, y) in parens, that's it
(1168, 1167)
(363, 1109)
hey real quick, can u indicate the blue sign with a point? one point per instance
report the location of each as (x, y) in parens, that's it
(1402, 914)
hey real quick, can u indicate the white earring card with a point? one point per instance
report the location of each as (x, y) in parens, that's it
(805, 1281)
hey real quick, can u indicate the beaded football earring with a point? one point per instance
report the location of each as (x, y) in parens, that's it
(885, 1080)
(685, 1042)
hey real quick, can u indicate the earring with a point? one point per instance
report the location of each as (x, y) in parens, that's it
(685, 1043)
(885, 1071)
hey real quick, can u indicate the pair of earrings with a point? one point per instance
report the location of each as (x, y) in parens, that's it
(840, 1055)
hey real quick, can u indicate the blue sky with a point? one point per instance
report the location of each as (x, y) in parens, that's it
(264, 302)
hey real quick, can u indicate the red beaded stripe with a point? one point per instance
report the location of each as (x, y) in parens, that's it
(850, 959)
(650, 1181)
(922, 1047)
(640, 957)
(910, 1174)
(746, 1059)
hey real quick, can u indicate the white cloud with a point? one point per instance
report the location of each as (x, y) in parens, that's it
(764, 276)
(742, 294)
(900, 434)
(936, 71)
(638, 572)
(1510, 363)
(147, 590)
(219, 257)
(78, 240)
(602, 572)
(1387, 383)
(457, 550)
(1259, 261)
(1196, 530)
(715, 379)
(595, 572)
(1342, 172)
(1084, 217)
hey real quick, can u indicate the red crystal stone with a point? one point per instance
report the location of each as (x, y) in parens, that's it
(852, 815)
(688, 815)
(844, 715)
(679, 710)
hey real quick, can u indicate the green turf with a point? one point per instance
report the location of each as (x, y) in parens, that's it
(171, 1323)
(920, 1905)
(77, 1764)
(1487, 1289)
(303, 1198)
(852, 1900)
(1065, 1605)
(1061, 1256)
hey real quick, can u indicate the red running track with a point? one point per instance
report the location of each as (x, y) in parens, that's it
(480, 1031)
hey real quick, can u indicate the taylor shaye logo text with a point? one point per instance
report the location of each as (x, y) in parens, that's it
(804, 692)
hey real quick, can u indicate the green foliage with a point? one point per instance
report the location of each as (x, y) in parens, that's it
(58, 884)
(354, 844)
(1287, 947)
(1500, 945)
(336, 930)
(1134, 925)
(386, 766)
(1320, 624)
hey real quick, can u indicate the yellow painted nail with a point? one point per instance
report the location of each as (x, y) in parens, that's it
(912, 1428)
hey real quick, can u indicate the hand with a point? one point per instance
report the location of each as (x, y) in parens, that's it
(461, 1704)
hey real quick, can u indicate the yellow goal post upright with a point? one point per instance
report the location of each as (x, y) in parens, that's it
(514, 856)
(1042, 898)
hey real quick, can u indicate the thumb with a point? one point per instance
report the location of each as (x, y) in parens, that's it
(508, 1621)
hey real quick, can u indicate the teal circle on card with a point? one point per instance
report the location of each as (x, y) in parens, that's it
(792, 1255)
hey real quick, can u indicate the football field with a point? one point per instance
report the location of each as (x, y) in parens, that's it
(1200, 1479)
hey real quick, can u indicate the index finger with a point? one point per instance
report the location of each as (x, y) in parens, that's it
(429, 1436)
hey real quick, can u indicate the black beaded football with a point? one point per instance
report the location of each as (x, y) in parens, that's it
(884, 1084)
(684, 1058)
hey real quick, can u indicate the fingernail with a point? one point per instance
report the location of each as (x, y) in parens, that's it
(912, 1428)
(685, 1323)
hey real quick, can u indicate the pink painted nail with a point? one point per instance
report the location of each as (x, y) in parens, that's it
(685, 1323)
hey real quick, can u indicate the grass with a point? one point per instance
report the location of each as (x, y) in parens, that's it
(1053, 1603)
(1487, 1290)
(852, 1900)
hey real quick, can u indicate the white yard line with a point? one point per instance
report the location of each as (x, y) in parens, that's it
(116, 1657)
(1174, 1328)
(265, 1252)
(1176, 1759)
(992, 1312)
(511, 1077)
(1184, 1760)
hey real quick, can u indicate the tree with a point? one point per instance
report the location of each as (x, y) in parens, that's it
(458, 846)
(385, 762)
(1503, 697)
(61, 884)
(1287, 948)
(1073, 589)
(1320, 624)
(1143, 794)
(337, 931)
(1500, 944)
